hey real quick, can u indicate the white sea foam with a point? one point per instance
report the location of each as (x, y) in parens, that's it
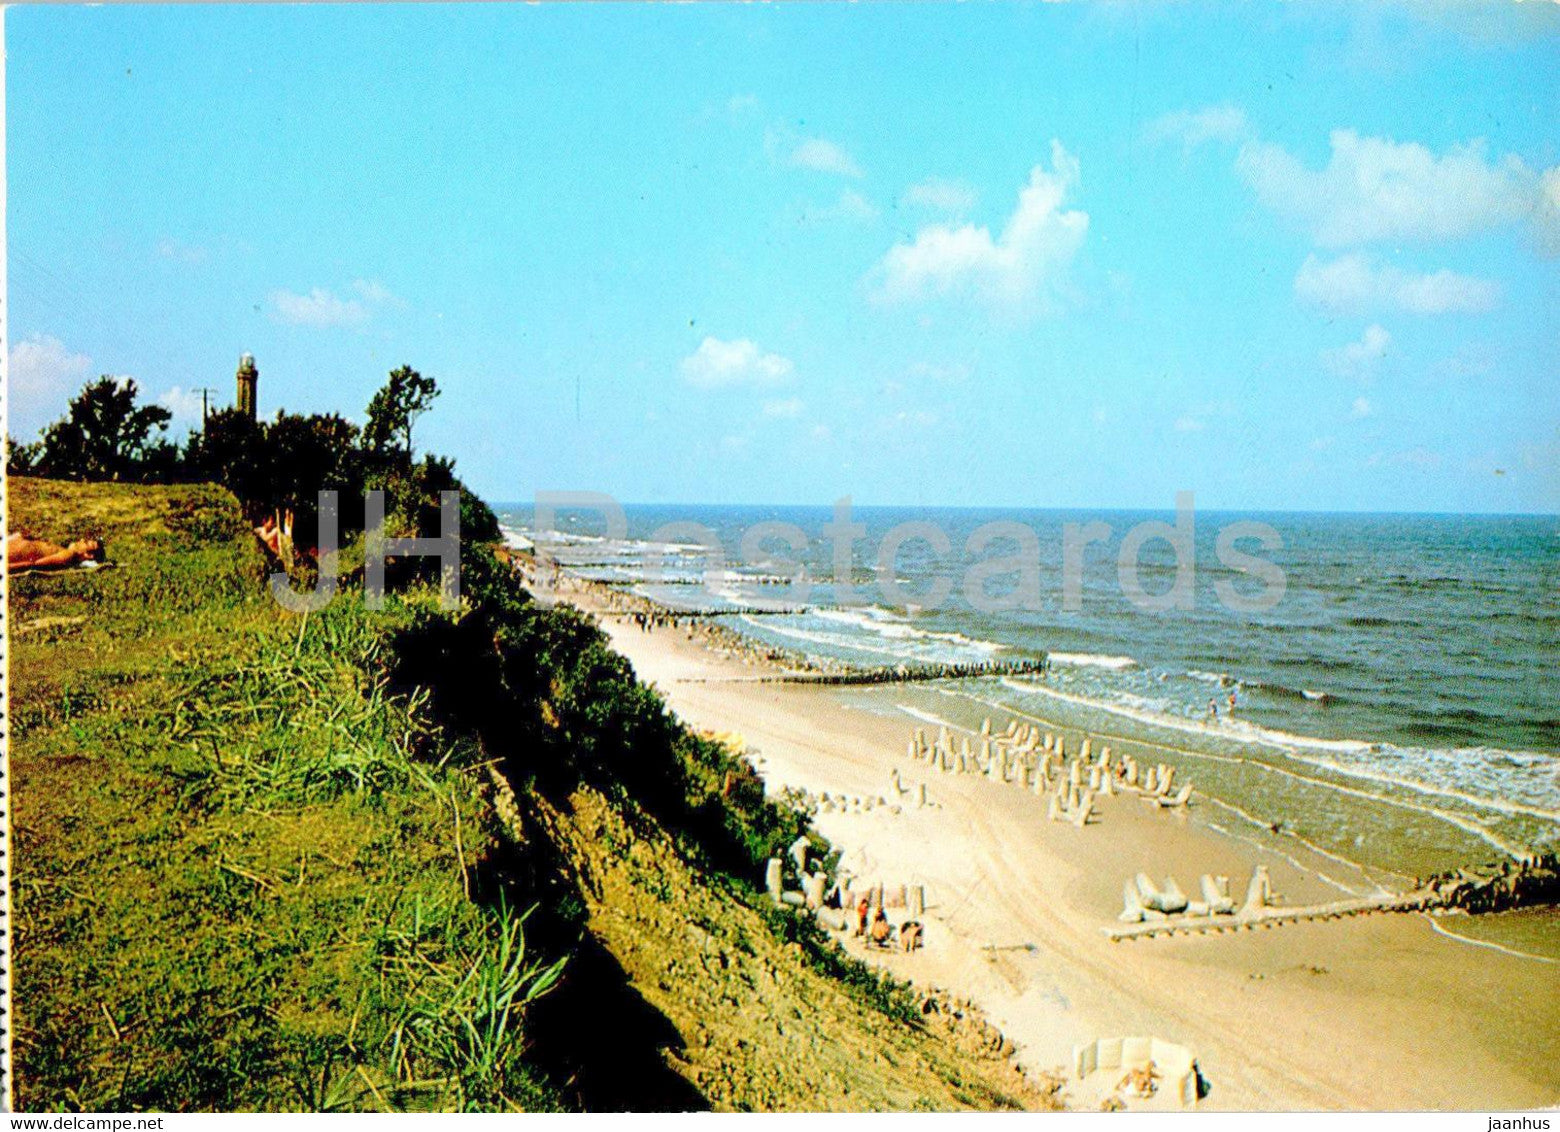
(1224, 729)
(886, 623)
(929, 717)
(1090, 660)
(515, 539)
(829, 640)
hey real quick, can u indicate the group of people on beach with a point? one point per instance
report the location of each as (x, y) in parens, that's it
(1213, 707)
(873, 926)
(650, 621)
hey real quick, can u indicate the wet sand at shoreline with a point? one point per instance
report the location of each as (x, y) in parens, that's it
(1371, 1012)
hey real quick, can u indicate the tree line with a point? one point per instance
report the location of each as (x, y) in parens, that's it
(276, 465)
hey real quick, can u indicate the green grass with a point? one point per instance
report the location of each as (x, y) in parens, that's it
(243, 863)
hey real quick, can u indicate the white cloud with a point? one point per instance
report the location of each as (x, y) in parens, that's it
(720, 364)
(1024, 265)
(318, 308)
(1356, 282)
(1193, 128)
(788, 409)
(1546, 219)
(1360, 408)
(1376, 189)
(821, 432)
(1359, 359)
(1190, 424)
(941, 194)
(824, 157)
(43, 367)
(184, 404)
(851, 206)
(44, 374)
(373, 291)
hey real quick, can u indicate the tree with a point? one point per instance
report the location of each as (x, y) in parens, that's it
(394, 410)
(231, 452)
(104, 434)
(22, 459)
(310, 454)
(478, 523)
(305, 455)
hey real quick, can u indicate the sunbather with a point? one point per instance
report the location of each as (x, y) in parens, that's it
(274, 532)
(23, 552)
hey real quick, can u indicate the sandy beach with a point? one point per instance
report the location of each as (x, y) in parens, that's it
(1370, 1012)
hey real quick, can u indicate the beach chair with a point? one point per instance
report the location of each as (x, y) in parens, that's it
(1085, 809)
(1180, 798)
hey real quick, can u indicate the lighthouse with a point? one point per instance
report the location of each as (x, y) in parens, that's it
(248, 380)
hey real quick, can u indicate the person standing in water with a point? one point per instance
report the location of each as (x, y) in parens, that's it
(1232, 702)
(1213, 710)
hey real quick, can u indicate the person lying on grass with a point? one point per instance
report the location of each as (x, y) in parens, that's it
(23, 552)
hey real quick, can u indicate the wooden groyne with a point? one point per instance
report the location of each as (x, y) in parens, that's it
(1495, 888)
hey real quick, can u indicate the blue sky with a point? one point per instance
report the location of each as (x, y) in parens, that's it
(1290, 257)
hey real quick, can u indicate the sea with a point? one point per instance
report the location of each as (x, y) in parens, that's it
(1396, 677)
